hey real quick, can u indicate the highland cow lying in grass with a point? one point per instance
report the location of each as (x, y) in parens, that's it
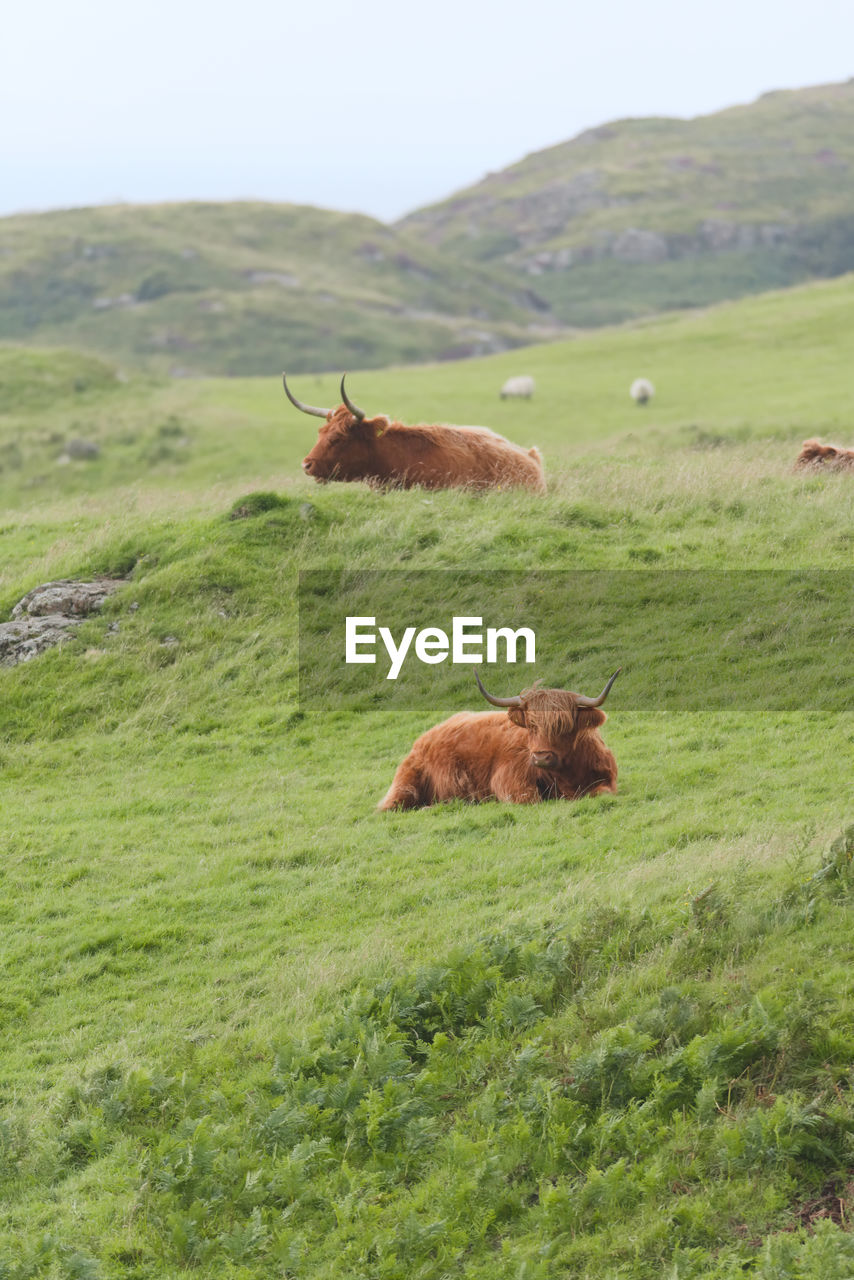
(546, 747)
(815, 454)
(352, 446)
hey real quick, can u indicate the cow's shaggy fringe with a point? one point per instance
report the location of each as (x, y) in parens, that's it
(554, 711)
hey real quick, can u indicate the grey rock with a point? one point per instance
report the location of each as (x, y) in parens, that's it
(636, 245)
(122, 300)
(64, 596)
(24, 639)
(719, 234)
(82, 450)
(370, 252)
(774, 233)
(47, 614)
(284, 278)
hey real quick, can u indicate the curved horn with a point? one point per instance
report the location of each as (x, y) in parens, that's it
(298, 404)
(496, 702)
(357, 413)
(597, 702)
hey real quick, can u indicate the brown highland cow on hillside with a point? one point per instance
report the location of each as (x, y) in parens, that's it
(546, 746)
(815, 454)
(352, 446)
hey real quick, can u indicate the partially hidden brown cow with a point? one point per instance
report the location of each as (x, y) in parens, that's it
(546, 745)
(815, 454)
(352, 446)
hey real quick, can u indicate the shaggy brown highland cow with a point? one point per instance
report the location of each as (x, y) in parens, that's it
(546, 746)
(815, 454)
(352, 446)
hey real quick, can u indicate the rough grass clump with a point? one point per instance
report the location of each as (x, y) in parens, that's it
(255, 504)
(836, 873)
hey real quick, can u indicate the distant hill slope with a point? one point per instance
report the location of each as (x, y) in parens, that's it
(249, 287)
(628, 219)
(648, 214)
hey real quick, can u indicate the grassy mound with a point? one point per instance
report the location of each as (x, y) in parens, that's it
(34, 379)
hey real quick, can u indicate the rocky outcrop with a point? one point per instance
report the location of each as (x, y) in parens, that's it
(47, 614)
(637, 245)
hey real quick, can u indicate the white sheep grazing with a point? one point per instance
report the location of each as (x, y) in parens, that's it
(522, 387)
(641, 390)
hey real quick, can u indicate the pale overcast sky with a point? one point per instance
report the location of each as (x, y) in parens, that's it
(377, 106)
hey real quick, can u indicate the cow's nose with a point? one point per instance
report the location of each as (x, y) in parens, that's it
(307, 464)
(544, 759)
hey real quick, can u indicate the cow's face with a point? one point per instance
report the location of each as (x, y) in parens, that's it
(553, 719)
(344, 447)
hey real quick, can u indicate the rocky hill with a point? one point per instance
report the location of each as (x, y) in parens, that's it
(631, 218)
(249, 287)
(647, 214)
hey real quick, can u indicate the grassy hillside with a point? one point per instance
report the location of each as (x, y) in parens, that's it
(254, 1027)
(228, 288)
(162, 437)
(647, 214)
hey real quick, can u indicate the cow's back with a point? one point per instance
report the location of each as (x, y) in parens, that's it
(462, 456)
(460, 755)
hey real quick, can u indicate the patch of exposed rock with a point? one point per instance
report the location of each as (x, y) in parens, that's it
(46, 615)
(79, 451)
(637, 245)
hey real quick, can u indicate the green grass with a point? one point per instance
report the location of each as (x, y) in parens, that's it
(254, 1027)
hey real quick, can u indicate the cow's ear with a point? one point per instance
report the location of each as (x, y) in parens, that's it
(517, 715)
(372, 428)
(590, 717)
